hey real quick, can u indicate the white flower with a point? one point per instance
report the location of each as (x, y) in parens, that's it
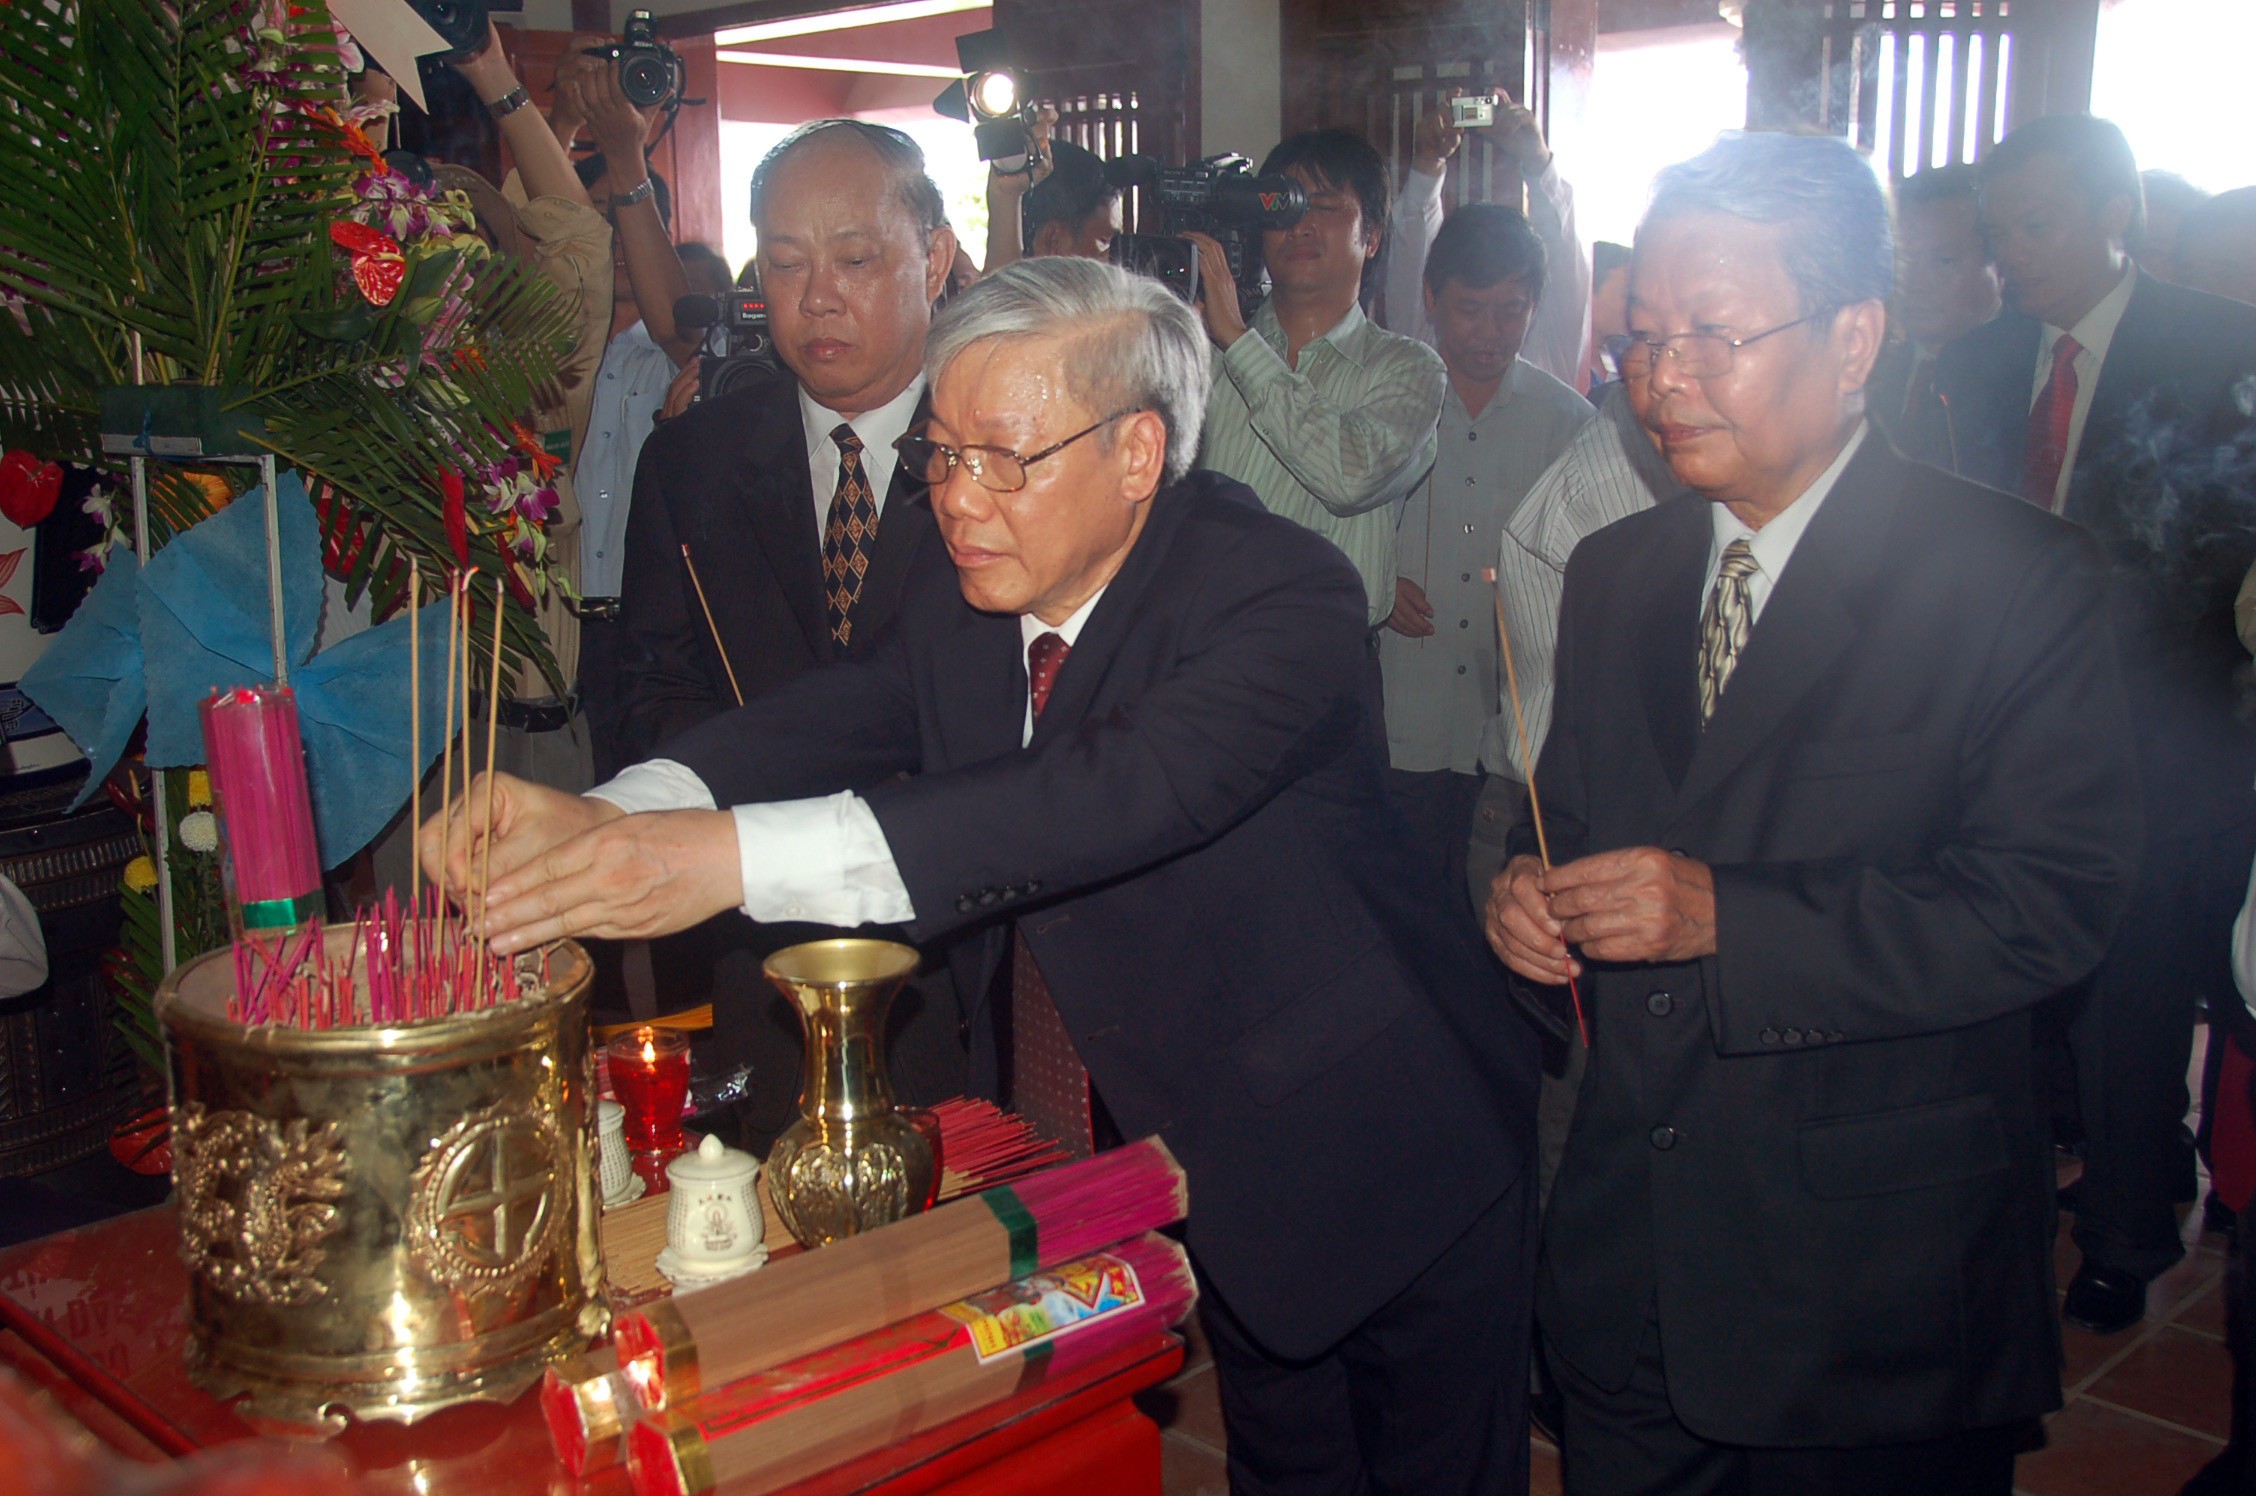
(199, 832)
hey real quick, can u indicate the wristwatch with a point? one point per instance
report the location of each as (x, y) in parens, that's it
(509, 103)
(640, 193)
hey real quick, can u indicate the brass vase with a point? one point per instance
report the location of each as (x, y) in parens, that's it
(853, 1161)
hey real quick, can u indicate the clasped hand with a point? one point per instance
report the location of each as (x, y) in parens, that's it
(563, 865)
(1635, 904)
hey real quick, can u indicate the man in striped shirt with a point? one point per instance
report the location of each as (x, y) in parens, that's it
(1322, 413)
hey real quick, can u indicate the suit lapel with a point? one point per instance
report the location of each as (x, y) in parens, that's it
(782, 512)
(902, 529)
(1807, 622)
(2138, 358)
(1076, 687)
(1668, 635)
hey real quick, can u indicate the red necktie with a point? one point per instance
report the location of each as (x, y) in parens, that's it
(1049, 1087)
(2049, 419)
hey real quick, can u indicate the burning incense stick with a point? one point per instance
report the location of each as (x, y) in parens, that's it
(414, 733)
(1527, 761)
(493, 721)
(446, 758)
(714, 628)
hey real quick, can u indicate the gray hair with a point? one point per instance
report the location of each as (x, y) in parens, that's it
(1839, 243)
(1137, 345)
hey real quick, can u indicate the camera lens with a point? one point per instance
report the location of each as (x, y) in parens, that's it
(644, 79)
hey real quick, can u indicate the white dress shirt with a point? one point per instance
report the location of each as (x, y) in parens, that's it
(1774, 543)
(2093, 335)
(878, 429)
(823, 859)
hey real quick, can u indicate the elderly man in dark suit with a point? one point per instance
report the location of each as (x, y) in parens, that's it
(803, 525)
(1126, 749)
(1820, 848)
(2123, 403)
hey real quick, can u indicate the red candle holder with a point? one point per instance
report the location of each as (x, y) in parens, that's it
(650, 1078)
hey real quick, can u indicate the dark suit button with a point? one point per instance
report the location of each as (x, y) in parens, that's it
(1770, 1036)
(988, 898)
(1792, 1036)
(1033, 887)
(965, 904)
(1659, 1004)
(1663, 1137)
(1836, 1036)
(1813, 1037)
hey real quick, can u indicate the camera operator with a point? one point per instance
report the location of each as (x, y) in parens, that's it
(1323, 414)
(1062, 204)
(1558, 343)
(802, 524)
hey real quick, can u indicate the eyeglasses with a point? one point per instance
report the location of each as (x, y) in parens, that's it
(1698, 355)
(996, 469)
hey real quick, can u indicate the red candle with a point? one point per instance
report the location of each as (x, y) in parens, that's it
(650, 1077)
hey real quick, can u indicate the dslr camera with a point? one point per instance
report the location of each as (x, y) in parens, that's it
(650, 72)
(738, 346)
(1219, 196)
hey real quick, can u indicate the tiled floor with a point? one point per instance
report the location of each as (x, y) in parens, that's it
(2145, 1408)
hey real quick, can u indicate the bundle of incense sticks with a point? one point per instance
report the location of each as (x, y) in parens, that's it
(987, 1145)
(259, 789)
(392, 969)
(765, 1431)
(669, 1350)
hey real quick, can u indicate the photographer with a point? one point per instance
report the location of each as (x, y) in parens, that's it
(1558, 343)
(1062, 204)
(557, 226)
(802, 523)
(1324, 415)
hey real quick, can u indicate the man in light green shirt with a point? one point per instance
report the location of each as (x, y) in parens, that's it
(1323, 414)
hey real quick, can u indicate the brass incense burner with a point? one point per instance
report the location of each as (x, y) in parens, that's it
(852, 1162)
(383, 1221)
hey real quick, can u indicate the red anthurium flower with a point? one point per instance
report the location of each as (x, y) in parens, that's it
(457, 516)
(378, 267)
(28, 488)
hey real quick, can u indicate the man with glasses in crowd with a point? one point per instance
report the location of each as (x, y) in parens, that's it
(803, 526)
(1818, 852)
(1081, 755)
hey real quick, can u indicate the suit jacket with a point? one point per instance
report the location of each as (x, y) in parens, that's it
(1197, 846)
(730, 480)
(1816, 1154)
(2165, 476)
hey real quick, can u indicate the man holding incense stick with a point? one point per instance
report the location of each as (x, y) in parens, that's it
(1839, 787)
(1083, 753)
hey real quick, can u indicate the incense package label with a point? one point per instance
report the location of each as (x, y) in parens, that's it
(1007, 1320)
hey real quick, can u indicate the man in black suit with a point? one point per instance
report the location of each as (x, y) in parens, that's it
(802, 525)
(1945, 288)
(1128, 748)
(1819, 852)
(2121, 402)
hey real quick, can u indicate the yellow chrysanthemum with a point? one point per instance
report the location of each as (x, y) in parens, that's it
(199, 789)
(141, 875)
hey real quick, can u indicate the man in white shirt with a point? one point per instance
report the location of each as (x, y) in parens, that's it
(1127, 701)
(1558, 340)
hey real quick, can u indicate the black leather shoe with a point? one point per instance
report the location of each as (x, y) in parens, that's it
(2104, 1300)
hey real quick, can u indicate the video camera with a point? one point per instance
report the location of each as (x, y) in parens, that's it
(737, 345)
(1220, 197)
(461, 24)
(650, 72)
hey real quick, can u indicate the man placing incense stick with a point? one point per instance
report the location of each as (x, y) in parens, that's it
(1839, 788)
(1087, 752)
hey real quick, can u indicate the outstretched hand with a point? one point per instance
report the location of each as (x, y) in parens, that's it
(527, 820)
(626, 878)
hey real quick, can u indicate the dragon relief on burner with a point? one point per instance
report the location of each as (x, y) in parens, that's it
(256, 1201)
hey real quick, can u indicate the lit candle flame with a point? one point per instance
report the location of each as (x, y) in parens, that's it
(649, 1052)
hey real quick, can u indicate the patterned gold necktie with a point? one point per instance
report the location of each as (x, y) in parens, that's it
(849, 535)
(1724, 628)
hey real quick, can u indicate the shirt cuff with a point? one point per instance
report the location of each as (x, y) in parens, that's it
(659, 784)
(824, 860)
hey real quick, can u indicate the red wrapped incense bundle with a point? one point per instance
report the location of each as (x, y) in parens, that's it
(669, 1351)
(259, 788)
(785, 1424)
